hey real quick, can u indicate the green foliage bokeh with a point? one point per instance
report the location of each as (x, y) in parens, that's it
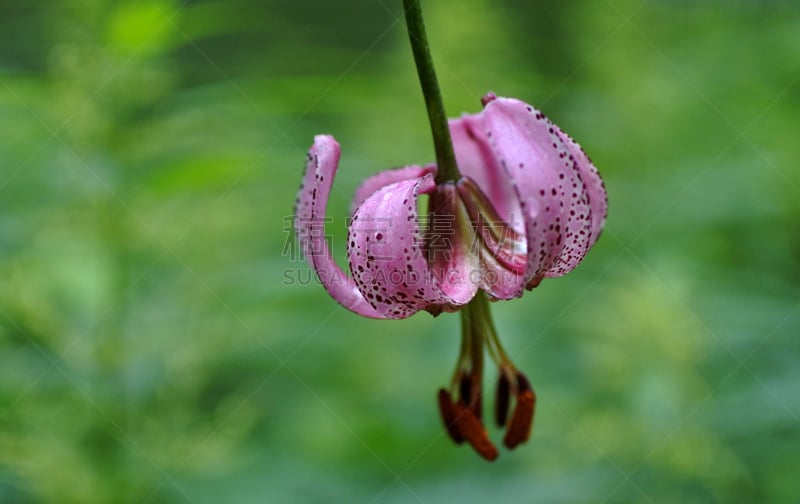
(162, 342)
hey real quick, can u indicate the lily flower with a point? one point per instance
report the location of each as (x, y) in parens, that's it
(528, 205)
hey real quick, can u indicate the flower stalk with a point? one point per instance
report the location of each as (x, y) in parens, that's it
(445, 156)
(516, 164)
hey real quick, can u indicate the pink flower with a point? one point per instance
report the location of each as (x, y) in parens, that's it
(529, 205)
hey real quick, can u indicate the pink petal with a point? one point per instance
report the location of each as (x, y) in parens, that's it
(477, 161)
(387, 253)
(493, 206)
(452, 246)
(310, 208)
(595, 187)
(385, 178)
(549, 183)
(502, 250)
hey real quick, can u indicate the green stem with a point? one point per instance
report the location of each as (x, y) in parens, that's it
(445, 157)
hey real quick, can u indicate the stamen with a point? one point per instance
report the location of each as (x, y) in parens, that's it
(449, 416)
(472, 392)
(475, 403)
(472, 430)
(502, 400)
(462, 418)
(519, 429)
(464, 389)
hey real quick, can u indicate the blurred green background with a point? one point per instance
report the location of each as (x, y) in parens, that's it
(160, 343)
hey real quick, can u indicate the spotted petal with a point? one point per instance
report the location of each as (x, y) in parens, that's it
(310, 209)
(387, 252)
(477, 161)
(595, 188)
(493, 208)
(386, 177)
(550, 185)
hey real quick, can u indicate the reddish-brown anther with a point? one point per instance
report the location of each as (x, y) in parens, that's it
(449, 416)
(471, 394)
(502, 400)
(519, 429)
(472, 429)
(465, 389)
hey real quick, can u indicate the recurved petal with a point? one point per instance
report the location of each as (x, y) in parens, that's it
(549, 183)
(477, 161)
(595, 188)
(502, 250)
(387, 253)
(310, 209)
(386, 177)
(451, 245)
